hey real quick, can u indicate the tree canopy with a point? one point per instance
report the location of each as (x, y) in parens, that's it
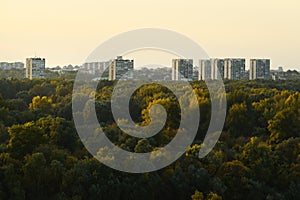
(256, 157)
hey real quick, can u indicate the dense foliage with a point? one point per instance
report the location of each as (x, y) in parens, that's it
(257, 156)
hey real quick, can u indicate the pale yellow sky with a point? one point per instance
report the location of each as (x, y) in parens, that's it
(66, 31)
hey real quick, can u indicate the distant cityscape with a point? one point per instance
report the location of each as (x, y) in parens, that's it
(182, 69)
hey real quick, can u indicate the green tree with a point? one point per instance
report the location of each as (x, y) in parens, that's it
(25, 138)
(59, 131)
(258, 156)
(37, 177)
(284, 125)
(213, 196)
(239, 120)
(235, 176)
(197, 195)
(143, 146)
(42, 104)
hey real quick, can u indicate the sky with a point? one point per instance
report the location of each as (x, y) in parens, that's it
(67, 31)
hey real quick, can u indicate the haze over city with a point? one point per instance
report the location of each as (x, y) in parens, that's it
(65, 32)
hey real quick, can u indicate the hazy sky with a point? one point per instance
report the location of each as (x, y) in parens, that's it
(66, 31)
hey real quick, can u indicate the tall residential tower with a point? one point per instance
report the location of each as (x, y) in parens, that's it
(182, 69)
(234, 68)
(217, 69)
(259, 69)
(120, 68)
(204, 69)
(35, 68)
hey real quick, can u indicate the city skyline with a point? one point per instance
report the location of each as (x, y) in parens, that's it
(182, 69)
(66, 32)
(5, 65)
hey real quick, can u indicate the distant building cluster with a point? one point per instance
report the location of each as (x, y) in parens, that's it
(95, 67)
(153, 74)
(110, 70)
(279, 74)
(64, 69)
(13, 65)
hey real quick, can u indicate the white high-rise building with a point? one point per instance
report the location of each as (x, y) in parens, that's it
(204, 69)
(259, 69)
(120, 68)
(35, 68)
(234, 68)
(182, 69)
(217, 68)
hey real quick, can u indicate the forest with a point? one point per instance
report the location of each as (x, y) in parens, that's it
(257, 156)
